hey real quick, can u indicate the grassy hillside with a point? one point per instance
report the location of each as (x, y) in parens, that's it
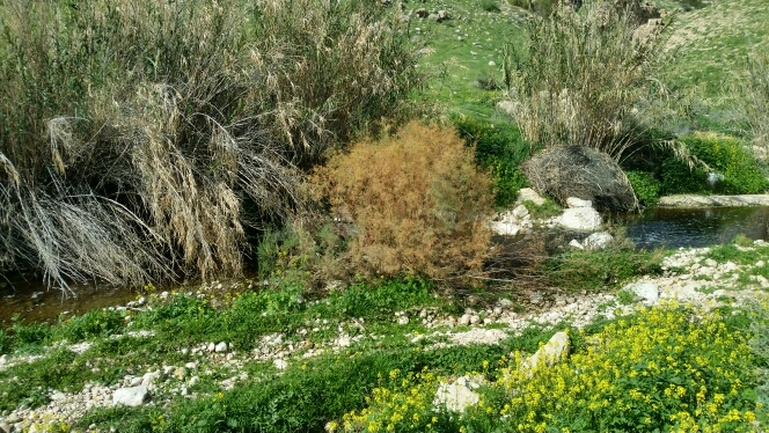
(709, 49)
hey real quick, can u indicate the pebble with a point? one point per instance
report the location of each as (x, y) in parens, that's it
(403, 320)
(221, 347)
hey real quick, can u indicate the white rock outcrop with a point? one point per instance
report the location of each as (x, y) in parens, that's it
(574, 202)
(512, 222)
(598, 241)
(528, 194)
(649, 292)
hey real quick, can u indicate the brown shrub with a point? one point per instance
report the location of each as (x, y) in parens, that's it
(418, 203)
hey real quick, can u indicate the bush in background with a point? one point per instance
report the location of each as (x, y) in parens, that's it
(719, 156)
(417, 201)
(499, 148)
(139, 139)
(645, 186)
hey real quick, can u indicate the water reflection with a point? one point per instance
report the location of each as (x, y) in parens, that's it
(673, 227)
(23, 295)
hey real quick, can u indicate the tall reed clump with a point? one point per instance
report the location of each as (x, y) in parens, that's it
(755, 102)
(417, 202)
(138, 139)
(580, 79)
(332, 71)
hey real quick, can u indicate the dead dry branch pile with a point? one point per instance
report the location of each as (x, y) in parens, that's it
(576, 171)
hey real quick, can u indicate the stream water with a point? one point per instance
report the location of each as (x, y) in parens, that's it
(23, 296)
(699, 227)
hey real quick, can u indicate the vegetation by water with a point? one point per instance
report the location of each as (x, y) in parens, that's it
(146, 142)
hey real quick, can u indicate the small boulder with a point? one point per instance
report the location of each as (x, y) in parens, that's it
(598, 241)
(458, 396)
(582, 219)
(148, 380)
(131, 397)
(647, 291)
(554, 351)
(521, 212)
(579, 171)
(574, 202)
(528, 194)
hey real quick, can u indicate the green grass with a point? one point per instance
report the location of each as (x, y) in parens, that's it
(709, 47)
(456, 66)
(580, 270)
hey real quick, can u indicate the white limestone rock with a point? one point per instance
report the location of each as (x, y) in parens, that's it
(528, 194)
(132, 397)
(574, 203)
(647, 291)
(459, 395)
(598, 241)
(583, 219)
(553, 352)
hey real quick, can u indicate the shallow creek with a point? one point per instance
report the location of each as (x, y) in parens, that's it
(25, 297)
(696, 227)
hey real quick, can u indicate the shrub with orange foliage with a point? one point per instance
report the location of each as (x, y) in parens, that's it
(417, 201)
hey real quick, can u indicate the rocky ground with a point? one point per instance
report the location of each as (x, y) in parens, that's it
(689, 277)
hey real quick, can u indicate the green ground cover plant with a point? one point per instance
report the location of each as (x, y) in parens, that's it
(723, 156)
(645, 186)
(597, 270)
(499, 148)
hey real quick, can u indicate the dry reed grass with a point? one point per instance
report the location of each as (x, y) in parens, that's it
(755, 102)
(138, 139)
(581, 79)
